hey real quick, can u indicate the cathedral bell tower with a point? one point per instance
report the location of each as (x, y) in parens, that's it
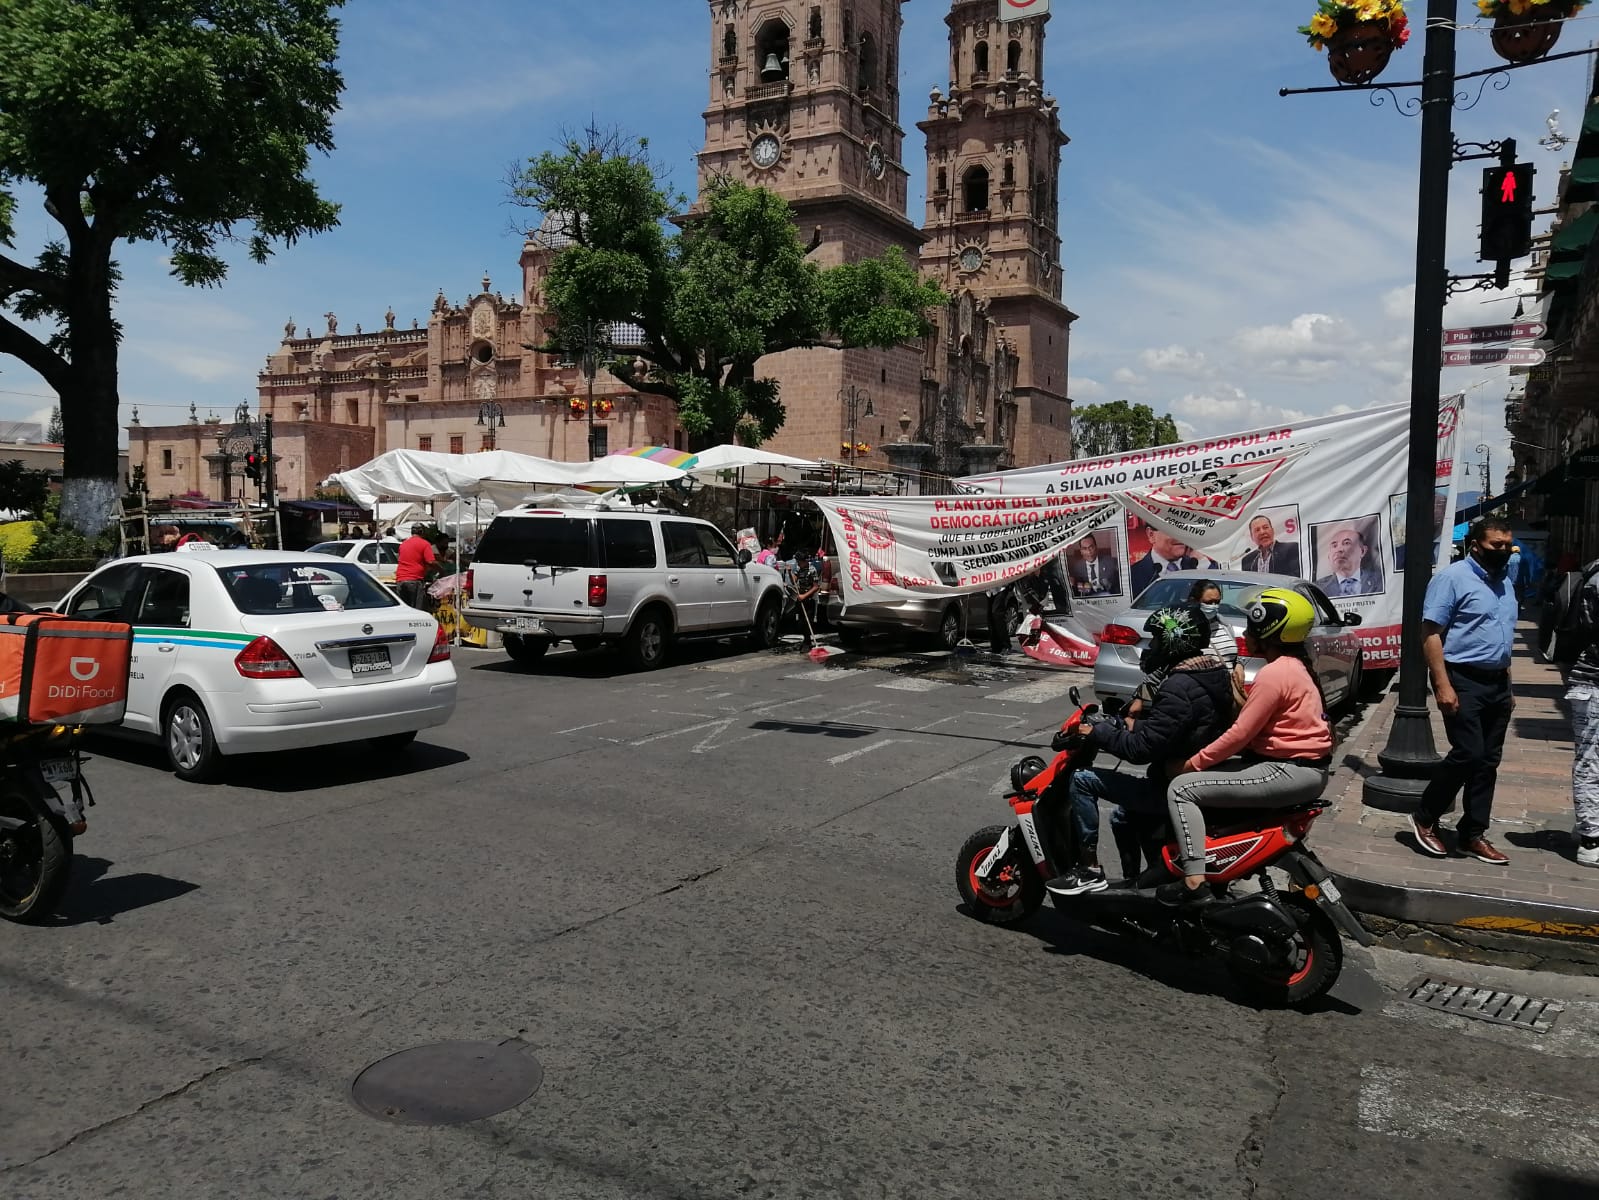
(993, 203)
(805, 103)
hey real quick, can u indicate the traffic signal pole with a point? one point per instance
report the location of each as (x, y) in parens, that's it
(1410, 757)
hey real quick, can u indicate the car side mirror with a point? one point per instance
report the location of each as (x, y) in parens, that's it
(744, 557)
(1352, 618)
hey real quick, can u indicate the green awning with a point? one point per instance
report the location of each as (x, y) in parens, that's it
(1585, 170)
(1590, 119)
(1576, 235)
(1563, 270)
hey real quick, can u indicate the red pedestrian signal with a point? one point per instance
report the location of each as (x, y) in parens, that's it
(1506, 213)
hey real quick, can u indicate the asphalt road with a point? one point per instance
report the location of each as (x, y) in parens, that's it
(716, 903)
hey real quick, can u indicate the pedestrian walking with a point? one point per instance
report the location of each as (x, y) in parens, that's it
(1468, 624)
(1575, 647)
(416, 558)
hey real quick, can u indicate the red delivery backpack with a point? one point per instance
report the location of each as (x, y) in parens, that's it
(56, 669)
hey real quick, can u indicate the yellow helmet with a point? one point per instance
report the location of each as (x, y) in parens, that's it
(1280, 613)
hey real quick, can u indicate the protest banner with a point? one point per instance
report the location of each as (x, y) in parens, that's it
(1321, 499)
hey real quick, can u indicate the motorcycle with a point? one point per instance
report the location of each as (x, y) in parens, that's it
(42, 799)
(1282, 944)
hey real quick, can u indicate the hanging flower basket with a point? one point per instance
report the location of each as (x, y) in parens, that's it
(1359, 37)
(1526, 30)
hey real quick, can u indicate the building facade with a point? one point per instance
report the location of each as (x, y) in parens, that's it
(804, 100)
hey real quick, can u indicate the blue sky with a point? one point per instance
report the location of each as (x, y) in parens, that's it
(1234, 257)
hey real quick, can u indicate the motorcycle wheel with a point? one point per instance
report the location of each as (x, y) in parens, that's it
(35, 861)
(986, 905)
(1315, 961)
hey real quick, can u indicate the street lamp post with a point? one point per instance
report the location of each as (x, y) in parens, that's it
(1485, 466)
(591, 368)
(857, 402)
(492, 414)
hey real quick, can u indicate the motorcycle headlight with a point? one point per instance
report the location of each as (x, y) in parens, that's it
(1022, 773)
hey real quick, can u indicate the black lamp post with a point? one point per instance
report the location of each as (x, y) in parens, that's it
(593, 344)
(492, 414)
(857, 402)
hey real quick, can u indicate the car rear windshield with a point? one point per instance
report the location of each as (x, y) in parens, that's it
(276, 588)
(337, 549)
(547, 541)
(1235, 593)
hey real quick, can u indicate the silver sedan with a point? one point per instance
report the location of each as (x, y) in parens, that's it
(1333, 648)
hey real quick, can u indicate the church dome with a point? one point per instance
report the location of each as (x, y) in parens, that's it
(552, 231)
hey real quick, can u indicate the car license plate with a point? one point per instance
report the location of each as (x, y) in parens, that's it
(59, 770)
(523, 625)
(369, 661)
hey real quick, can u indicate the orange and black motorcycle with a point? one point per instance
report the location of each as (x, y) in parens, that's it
(1281, 939)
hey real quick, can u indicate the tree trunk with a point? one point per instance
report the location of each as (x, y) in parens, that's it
(90, 488)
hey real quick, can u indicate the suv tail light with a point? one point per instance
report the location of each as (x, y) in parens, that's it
(1119, 635)
(441, 646)
(599, 591)
(466, 586)
(265, 659)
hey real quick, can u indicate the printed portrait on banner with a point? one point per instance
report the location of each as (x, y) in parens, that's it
(1154, 552)
(1397, 508)
(1274, 542)
(1094, 564)
(1349, 556)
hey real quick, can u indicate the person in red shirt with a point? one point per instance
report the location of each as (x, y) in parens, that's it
(1281, 733)
(416, 559)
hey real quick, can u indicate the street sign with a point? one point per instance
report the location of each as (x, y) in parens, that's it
(1542, 374)
(1517, 331)
(1585, 463)
(1016, 10)
(1510, 356)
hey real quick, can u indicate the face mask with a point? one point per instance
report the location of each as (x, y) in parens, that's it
(1210, 610)
(1493, 560)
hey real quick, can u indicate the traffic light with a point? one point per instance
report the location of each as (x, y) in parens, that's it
(1506, 212)
(253, 462)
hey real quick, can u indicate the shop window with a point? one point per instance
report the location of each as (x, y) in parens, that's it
(457, 443)
(425, 442)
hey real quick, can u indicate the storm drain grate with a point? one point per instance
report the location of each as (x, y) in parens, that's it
(1485, 1004)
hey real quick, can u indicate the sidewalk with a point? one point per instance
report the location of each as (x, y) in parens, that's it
(1544, 891)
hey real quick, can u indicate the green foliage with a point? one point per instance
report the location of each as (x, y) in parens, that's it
(174, 121)
(1117, 427)
(731, 287)
(57, 542)
(17, 539)
(54, 432)
(22, 490)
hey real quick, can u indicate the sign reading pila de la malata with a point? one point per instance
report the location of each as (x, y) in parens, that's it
(1321, 500)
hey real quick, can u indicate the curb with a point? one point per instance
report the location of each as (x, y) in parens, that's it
(1468, 911)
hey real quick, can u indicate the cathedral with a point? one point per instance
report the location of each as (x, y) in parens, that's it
(804, 100)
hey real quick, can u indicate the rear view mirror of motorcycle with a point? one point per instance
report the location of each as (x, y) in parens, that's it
(1075, 696)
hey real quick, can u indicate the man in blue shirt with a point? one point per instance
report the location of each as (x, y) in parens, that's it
(1468, 626)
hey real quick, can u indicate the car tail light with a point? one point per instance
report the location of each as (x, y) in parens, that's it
(1243, 647)
(441, 646)
(466, 586)
(265, 659)
(599, 590)
(1119, 635)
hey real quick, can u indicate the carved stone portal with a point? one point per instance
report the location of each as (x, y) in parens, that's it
(484, 386)
(483, 322)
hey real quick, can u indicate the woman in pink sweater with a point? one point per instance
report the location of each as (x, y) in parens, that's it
(1281, 735)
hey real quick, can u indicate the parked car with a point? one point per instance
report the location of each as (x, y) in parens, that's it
(1335, 651)
(943, 619)
(635, 580)
(237, 651)
(377, 558)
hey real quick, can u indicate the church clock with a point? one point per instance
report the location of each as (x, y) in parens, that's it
(765, 150)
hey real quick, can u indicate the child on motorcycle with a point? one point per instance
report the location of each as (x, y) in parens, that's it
(1282, 731)
(1191, 704)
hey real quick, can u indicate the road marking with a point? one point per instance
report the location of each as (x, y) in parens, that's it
(1036, 693)
(849, 754)
(821, 674)
(913, 685)
(1010, 720)
(1554, 1130)
(737, 666)
(576, 728)
(721, 722)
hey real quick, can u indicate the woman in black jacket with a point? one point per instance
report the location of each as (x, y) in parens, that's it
(1192, 705)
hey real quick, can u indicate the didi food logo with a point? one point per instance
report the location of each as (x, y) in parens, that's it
(84, 669)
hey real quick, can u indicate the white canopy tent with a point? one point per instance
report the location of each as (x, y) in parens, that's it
(501, 475)
(730, 457)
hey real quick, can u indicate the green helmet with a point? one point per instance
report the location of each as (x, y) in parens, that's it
(1175, 633)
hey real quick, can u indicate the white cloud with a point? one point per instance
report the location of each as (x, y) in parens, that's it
(1226, 408)
(1126, 376)
(1309, 334)
(1083, 388)
(1174, 360)
(195, 364)
(1399, 303)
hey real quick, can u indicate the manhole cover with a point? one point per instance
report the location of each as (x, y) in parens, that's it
(447, 1083)
(1485, 1004)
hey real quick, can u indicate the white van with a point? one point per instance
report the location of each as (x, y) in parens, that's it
(637, 580)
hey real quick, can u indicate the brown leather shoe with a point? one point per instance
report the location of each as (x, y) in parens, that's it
(1483, 850)
(1427, 838)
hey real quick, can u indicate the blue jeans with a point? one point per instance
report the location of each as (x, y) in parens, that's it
(1129, 793)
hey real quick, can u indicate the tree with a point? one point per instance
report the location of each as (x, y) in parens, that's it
(1117, 427)
(174, 121)
(732, 286)
(22, 490)
(54, 432)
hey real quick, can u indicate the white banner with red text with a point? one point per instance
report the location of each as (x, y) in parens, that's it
(1321, 500)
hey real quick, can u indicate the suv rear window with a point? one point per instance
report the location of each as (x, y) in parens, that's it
(548, 541)
(628, 544)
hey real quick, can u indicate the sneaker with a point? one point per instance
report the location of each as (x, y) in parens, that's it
(1427, 838)
(1482, 850)
(1178, 894)
(1588, 851)
(1077, 881)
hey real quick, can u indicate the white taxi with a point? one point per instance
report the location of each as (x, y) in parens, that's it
(377, 559)
(240, 651)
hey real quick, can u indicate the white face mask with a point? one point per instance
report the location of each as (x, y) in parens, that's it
(1210, 610)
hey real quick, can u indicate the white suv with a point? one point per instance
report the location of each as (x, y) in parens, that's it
(638, 580)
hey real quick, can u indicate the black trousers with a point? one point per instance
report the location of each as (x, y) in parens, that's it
(411, 591)
(1476, 742)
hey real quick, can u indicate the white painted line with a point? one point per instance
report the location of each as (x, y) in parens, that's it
(849, 754)
(821, 675)
(1553, 1130)
(1009, 720)
(577, 728)
(1036, 693)
(737, 666)
(913, 685)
